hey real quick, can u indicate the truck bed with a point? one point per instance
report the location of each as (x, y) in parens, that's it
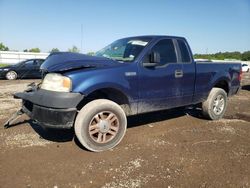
(209, 73)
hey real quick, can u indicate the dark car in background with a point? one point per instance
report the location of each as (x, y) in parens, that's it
(25, 69)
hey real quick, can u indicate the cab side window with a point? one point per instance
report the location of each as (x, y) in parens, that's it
(185, 55)
(39, 62)
(29, 64)
(165, 48)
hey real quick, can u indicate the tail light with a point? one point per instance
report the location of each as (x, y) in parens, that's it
(240, 75)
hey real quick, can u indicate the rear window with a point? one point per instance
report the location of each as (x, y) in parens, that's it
(185, 56)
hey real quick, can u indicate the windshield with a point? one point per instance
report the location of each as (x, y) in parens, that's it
(124, 49)
(20, 63)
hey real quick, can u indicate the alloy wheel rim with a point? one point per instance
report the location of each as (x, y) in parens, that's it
(218, 104)
(103, 127)
(11, 75)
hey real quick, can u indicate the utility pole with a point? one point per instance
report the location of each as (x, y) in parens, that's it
(81, 38)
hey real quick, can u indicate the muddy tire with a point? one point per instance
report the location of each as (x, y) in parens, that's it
(11, 75)
(100, 125)
(215, 106)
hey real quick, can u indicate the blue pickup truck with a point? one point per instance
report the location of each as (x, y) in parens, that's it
(95, 94)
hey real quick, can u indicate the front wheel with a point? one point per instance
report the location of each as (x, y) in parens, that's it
(11, 75)
(215, 106)
(100, 125)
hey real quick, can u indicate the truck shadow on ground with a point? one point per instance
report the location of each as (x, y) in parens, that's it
(58, 135)
(163, 115)
(55, 135)
(246, 87)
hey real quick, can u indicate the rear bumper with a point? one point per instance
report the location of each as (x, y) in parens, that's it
(51, 109)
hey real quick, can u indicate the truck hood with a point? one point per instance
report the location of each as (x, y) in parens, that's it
(67, 61)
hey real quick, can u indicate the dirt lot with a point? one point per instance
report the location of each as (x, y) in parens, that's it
(172, 148)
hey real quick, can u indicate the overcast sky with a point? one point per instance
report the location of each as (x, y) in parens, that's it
(209, 26)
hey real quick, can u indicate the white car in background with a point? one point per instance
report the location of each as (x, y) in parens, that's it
(245, 67)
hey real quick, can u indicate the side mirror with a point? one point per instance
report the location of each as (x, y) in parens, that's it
(154, 60)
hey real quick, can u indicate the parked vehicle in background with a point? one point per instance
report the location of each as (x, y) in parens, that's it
(203, 60)
(245, 67)
(95, 94)
(25, 69)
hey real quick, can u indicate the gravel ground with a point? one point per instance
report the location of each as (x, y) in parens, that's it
(172, 148)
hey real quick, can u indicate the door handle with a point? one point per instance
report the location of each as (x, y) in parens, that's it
(178, 73)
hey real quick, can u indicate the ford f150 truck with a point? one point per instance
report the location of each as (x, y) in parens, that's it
(95, 94)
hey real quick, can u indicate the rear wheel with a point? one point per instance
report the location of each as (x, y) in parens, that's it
(11, 75)
(100, 125)
(215, 106)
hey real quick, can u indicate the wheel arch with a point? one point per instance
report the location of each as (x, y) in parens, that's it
(110, 93)
(223, 84)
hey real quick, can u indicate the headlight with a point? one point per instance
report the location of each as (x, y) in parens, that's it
(56, 82)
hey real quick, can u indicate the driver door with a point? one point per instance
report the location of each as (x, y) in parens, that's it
(160, 86)
(25, 70)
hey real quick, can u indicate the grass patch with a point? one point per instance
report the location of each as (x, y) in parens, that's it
(3, 65)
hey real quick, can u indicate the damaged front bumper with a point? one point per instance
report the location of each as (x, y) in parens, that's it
(49, 108)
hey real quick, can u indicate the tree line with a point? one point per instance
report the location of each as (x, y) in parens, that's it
(245, 56)
(37, 50)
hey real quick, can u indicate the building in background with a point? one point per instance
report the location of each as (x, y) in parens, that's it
(8, 57)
